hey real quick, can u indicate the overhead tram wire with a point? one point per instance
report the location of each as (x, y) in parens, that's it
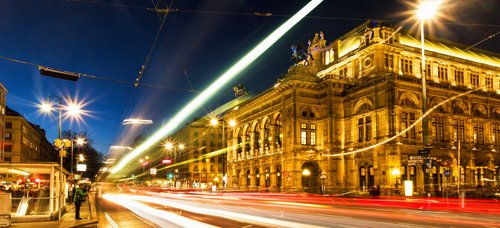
(259, 14)
(487, 38)
(101, 78)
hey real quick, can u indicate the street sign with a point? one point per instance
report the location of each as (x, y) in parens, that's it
(166, 161)
(425, 152)
(81, 167)
(152, 171)
(447, 173)
(415, 159)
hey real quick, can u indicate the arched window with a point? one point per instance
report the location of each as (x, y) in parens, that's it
(257, 177)
(266, 134)
(278, 136)
(256, 136)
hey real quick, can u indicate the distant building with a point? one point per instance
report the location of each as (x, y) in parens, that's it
(24, 141)
(200, 140)
(357, 91)
(3, 104)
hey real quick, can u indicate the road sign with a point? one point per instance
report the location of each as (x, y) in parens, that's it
(447, 173)
(425, 152)
(415, 157)
(152, 171)
(166, 161)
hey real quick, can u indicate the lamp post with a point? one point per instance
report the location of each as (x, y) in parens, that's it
(60, 144)
(426, 11)
(232, 123)
(396, 173)
(79, 142)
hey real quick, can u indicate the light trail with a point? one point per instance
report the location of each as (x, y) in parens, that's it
(405, 130)
(206, 94)
(159, 217)
(215, 212)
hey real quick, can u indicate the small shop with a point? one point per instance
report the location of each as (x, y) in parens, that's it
(37, 190)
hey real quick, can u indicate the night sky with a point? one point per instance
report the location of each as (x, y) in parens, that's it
(112, 40)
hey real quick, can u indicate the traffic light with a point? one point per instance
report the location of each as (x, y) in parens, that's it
(170, 175)
(66, 75)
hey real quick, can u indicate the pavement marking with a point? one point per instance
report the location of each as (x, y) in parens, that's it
(111, 221)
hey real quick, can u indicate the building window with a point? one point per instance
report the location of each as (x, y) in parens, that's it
(195, 134)
(389, 60)
(474, 79)
(428, 71)
(24, 130)
(368, 128)
(343, 71)
(438, 129)
(489, 83)
(364, 129)
(196, 143)
(360, 129)
(313, 134)
(204, 143)
(459, 77)
(458, 130)
(8, 125)
(495, 136)
(8, 136)
(303, 134)
(478, 133)
(195, 168)
(8, 148)
(408, 119)
(407, 66)
(256, 136)
(443, 73)
(278, 135)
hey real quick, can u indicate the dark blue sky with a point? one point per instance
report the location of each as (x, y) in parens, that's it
(112, 41)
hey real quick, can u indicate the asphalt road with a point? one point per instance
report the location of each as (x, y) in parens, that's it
(146, 209)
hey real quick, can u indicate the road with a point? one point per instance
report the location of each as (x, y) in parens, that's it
(197, 209)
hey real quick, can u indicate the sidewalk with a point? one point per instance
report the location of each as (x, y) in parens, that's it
(89, 215)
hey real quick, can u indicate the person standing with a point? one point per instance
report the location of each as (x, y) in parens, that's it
(79, 197)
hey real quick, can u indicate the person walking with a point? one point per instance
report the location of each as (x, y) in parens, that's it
(79, 197)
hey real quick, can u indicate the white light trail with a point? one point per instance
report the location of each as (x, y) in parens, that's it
(221, 213)
(217, 84)
(159, 217)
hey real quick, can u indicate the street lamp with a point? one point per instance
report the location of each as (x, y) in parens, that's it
(232, 123)
(136, 121)
(79, 142)
(73, 110)
(396, 172)
(425, 11)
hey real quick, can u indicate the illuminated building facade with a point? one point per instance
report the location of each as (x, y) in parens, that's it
(3, 105)
(359, 91)
(24, 141)
(200, 167)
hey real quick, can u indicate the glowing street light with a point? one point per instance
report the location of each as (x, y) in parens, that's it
(72, 110)
(219, 83)
(426, 11)
(215, 122)
(136, 121)
(169, 146)
(116, 147)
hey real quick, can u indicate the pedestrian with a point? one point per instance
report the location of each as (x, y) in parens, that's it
(79, 197)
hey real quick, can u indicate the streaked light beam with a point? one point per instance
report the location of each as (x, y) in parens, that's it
(217, 85)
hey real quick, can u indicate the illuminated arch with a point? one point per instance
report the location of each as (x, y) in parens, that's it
(363, 105)
(409, 99)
